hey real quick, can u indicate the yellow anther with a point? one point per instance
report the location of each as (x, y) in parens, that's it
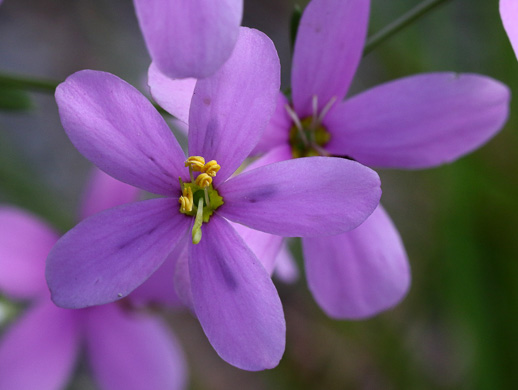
(196, 163)
(186, 201)
(211, 168)
(203, 180)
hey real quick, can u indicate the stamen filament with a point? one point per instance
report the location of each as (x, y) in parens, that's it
(191, 174)
(298, 125)
(326, 109)
(196, 229)
(314, 118)
(206, 191)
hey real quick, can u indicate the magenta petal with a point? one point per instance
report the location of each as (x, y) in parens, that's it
(159, 288)
(182, 280)
(108, 255)
(327, 51)
(40, 349)
(189, 38)
(419, 121)
(509, 15)
(313, 196)
(264, 246)
(235, 299)
(118, 129)
(230, 110)
(359, 273)
(132, 351)
(278, 129)
(25, 242)
(285, 265)
(104, 192)
(173, 95)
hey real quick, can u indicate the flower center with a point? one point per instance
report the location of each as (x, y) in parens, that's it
(199, 198)
(308, 136)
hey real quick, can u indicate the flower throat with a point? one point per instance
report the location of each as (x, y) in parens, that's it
(199, 198)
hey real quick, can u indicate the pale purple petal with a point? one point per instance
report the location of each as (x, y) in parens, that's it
(230, 110)
(419, 121)
(360, 273)
(264, 246)
(509, 15)
(133, 351)
(118, 129)
(285, 265)
(39, 350)
(182, 280)
(313, 196)
(189, 38)
(235, 299)
(159, 288)
(327, 51)
(110, 254)
(25, 242)
(278, 129)
(104, 192)
(173, 95)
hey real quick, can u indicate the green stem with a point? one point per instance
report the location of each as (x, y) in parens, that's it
(400, 23)
(42, 85)
(28, 83)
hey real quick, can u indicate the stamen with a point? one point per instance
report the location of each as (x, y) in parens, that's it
(298, 125)
(196, 163)
(211, 168)
(320, 150)
(207, 199)
(314, 118)
(203, 180)
(326, 109)
(186, 200)
(196, 229)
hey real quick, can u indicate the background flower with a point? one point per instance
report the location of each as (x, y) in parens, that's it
(125, 349)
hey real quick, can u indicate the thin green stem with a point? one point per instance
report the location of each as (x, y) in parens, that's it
(400, 23)
(28, 83)
(41, 85)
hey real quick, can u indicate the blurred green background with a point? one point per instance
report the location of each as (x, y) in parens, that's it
(456, 329)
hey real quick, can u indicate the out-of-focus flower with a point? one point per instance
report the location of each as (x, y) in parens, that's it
(189, 38)
(416, 122)
(108, 255)
(509, 15)
(125, 349)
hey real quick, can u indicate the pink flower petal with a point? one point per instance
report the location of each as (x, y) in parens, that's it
(39, 350)
(132, 351)
(360, 273)
(235, 299)
(230, 110)
(189, 38)
(419, 121)
(25, 242)
(104, 192)
(119, 130)
(313, 196)
(509, 15)
(173, 95)
(108, 255)
(327, 51)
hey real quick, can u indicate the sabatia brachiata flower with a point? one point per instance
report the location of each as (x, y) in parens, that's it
(416, 122)
(108, 255)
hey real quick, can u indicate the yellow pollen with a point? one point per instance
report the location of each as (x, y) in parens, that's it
(211, 168)
(203, 180)
(196, 163)
(186, 201)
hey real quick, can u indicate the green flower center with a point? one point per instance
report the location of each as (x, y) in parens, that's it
(309, 140)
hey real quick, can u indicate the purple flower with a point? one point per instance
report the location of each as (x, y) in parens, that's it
(509, 15)
(108, 255)
(125, 350)
(416, 122)
(189, 38)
